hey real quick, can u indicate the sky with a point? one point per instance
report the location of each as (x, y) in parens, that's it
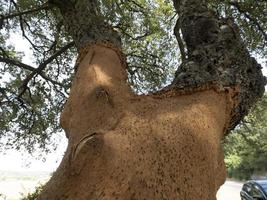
(13, 160)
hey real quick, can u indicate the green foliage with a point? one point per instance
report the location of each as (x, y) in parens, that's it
(150, 47)
(250, 15)
(246, 147)
(29, 121)
(34, 195)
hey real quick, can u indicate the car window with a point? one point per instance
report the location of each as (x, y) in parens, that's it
(255, 192)
(247, 188)
(264, 187)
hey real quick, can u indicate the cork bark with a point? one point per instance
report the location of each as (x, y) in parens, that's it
(125, 146)
(165, 145)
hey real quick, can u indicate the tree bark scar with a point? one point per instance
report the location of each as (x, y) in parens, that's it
(80, 58)
(80, 144)
(86, 48)
(89, 147)
(92, 57)
(231, 96)
(102, 93)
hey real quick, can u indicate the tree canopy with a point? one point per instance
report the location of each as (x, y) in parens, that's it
(32, 94)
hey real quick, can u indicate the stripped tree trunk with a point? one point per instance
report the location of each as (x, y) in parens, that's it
(164, 145)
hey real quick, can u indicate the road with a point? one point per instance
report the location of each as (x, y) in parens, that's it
(229, 191)
(13, 189)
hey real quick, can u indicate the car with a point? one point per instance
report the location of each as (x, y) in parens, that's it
(254, 190)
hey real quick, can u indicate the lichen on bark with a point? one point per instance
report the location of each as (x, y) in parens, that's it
(217, 55)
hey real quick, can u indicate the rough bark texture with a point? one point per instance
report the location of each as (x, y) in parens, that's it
(217, 55)
(124, 146)
(157, 146)
(84, 21)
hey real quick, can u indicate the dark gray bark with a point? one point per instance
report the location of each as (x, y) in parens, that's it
(217, 55)
(85, 23)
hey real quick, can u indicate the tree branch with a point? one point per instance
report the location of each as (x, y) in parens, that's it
(28, 67)
(179, 39)
(38, 70)
(21, 20)
(55, 55)
(45, 6)
(250, 18)
(16, 63)
(24, 34)
(216, 54)
(42, 66)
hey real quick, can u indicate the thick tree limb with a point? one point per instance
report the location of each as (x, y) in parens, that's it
(55, 55)
(84, 21)
(217, 55)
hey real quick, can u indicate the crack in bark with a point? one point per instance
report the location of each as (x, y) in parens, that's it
(81, 143)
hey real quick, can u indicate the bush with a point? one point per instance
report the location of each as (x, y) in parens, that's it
(34, 195)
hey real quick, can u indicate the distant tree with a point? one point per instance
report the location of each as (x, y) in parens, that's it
(246, 147)
(34, 194)
(162, 145)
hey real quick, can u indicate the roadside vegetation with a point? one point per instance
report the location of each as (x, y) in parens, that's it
(246, 147)
(34, 195)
